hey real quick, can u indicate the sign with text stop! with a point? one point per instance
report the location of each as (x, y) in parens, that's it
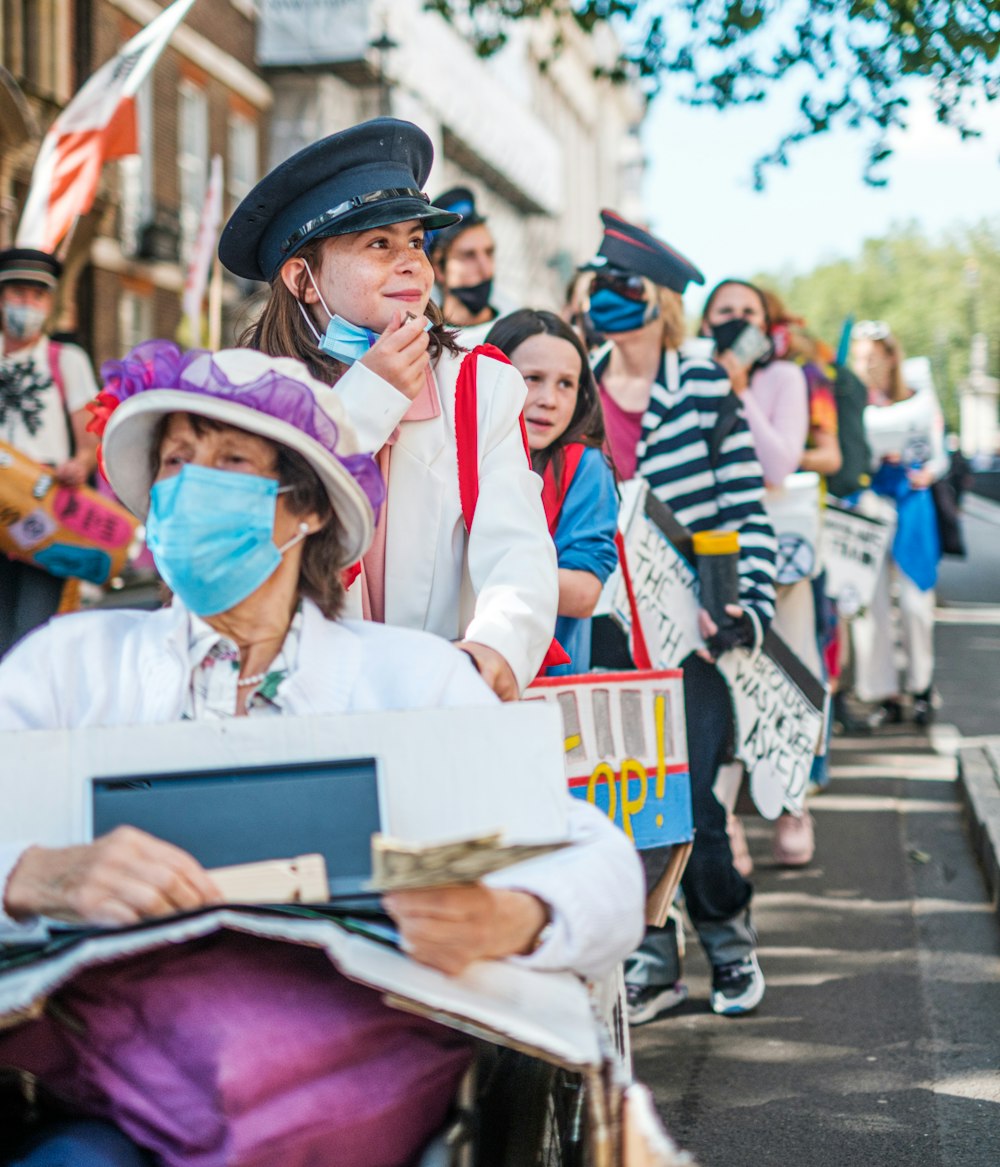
(626, 749)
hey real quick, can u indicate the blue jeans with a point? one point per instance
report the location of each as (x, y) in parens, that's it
(83, 1143)
(717, 897)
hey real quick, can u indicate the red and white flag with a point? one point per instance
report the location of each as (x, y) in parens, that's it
(204, 250)
(98, 125)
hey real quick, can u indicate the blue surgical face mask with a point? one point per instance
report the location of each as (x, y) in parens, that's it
(211, 535)
(342, 340)
(22, 321)
(610, 312)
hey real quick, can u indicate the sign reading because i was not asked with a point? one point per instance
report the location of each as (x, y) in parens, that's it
(626, 749)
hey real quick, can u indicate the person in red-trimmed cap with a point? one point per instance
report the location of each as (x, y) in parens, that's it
(673, 419)
(44, 388)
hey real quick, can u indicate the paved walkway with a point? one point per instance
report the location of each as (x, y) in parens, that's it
(879, 1039)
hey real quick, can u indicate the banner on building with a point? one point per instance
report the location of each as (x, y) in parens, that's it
(313, 32)
(626, 749)
(97, 126)
(853, 548)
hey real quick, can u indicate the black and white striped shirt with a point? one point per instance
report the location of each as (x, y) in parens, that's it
(674, 458)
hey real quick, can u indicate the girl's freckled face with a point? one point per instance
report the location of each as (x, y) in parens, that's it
(367, 276)
(551, 368)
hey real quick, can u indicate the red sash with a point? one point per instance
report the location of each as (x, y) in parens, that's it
(467, 443)
(553, 493)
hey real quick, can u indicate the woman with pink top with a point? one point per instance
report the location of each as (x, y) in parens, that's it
(775, 397)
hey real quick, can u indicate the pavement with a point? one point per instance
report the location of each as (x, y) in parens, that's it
(878, 1041)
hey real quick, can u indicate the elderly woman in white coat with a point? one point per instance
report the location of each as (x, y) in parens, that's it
(338, 231)
(255, 496)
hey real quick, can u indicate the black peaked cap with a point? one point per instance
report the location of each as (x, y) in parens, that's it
(370, 175)
(632, 249)
(28, 265)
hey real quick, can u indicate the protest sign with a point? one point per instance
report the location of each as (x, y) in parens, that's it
(853, 547)
(70, 532)
(780, 709)
(626, 749)
(658, 550)
(779, 704)
(793, 508)
(909, 430)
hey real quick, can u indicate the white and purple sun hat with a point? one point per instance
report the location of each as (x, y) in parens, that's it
(273, 397)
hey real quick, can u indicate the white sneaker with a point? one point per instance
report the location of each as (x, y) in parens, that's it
(647, 1002)
(737, 987)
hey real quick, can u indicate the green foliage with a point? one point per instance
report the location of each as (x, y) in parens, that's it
(850, 63)
(934, 294)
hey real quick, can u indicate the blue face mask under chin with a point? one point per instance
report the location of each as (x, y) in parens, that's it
(211, 535)
(610, 312)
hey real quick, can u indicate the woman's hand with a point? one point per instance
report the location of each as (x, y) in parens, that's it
(121, 878)
(450, 927)
(73, 472)
(920, 479)
(492, 667)
(399, 356)
(717, 641)
(738, 374)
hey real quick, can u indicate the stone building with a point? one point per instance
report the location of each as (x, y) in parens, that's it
(542, 142)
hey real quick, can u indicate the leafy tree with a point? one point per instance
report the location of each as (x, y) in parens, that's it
(933, 293)
(850, 62)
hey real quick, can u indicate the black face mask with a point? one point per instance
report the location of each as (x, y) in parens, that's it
(475, 298)
(725, 334)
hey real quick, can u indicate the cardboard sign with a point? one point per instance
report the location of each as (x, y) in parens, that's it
(626, 749)
(793, 508)
(70, 532)
(910, 430)
(658, 550)
(853, 547)
(780, 709)
(779, 705)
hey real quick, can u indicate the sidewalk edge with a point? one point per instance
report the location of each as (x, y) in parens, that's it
(979, 781)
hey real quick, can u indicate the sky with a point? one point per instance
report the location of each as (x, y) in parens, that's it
(700, 198)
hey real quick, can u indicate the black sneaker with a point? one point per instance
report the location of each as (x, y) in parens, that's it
(923, 707)
(737, 987)
(647, 1002)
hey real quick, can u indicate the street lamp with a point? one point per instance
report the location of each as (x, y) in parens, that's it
(383, 46)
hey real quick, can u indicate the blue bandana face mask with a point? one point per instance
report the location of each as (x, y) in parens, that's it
(611, 312)
(211, 535)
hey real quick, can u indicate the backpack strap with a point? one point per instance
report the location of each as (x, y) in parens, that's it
(640, 650)
(467, 451)
(467, 428)
(55, 368)
(725, 423)
(554, 493)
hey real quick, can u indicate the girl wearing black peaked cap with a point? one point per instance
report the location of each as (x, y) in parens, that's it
(338, 232)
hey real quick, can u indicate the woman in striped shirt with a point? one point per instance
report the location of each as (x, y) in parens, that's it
(674, 420)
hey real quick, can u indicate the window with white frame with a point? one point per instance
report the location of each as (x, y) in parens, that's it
(135, 176)
(192, 161)
(242, 165)
(135, 319)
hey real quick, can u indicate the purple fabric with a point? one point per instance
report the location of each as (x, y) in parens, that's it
(160, 364)
(240, 1052)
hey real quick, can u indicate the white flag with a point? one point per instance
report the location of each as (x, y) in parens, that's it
(204, 250)
(98, 125)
